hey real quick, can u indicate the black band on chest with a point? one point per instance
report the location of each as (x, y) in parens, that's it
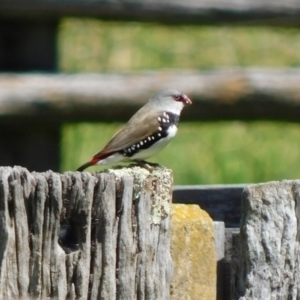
(174, 119)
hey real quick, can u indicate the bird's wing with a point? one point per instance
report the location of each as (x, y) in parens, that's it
(141, 125)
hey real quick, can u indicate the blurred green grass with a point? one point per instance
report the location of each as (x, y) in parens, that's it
(201, 153)
(205, 153)
(91, 46)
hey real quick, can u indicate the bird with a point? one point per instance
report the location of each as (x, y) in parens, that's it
(148, 131)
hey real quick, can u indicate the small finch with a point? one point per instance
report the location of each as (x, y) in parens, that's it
(148, 131)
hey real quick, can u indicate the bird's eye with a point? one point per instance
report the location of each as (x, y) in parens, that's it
(177, 97)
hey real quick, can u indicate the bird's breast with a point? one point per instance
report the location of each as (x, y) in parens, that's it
(157, 146)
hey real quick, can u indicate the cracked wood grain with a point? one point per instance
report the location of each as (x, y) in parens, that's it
(84, 236)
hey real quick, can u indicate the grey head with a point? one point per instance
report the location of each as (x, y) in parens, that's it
(170, 100)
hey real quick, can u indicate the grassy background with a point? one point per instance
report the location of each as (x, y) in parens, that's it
(219, 152)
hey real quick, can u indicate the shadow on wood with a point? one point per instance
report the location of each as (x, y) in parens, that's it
(88, 236)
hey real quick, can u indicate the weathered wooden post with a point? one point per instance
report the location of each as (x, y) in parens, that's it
(269, 252)
(85, 236)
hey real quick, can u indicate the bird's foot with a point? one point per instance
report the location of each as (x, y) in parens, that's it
(147, 165)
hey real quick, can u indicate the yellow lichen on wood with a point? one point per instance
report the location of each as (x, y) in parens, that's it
(193, 254)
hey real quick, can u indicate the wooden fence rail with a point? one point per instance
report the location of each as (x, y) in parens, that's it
(274, 13)
(222, 202)
(243, 94)
(82, 236)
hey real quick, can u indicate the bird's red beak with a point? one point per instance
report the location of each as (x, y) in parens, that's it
(187, 100)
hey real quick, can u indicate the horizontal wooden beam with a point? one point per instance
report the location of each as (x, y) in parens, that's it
(240, 94)
(222, 202)
(278, 13)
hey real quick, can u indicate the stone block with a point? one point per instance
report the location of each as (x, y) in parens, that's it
(193, 254)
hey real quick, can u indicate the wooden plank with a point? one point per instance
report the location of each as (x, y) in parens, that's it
(121, 223)
(219, 239)
(242, 94)
(220, 254)
(248, 12)
(267, 260)
(222, 202)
